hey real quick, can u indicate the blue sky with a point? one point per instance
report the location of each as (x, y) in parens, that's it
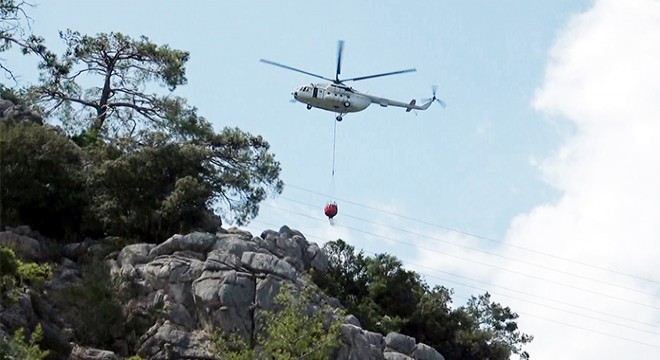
(546, 150)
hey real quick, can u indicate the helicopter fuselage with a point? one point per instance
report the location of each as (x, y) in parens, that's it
(338, 99)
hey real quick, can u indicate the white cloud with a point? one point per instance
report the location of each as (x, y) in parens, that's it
(604, 78)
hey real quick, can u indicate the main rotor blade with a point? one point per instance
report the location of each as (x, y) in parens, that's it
(379, 75)
(294, 69)
(340, 50)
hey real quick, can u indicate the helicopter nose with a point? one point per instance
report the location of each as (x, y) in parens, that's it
(295, 94)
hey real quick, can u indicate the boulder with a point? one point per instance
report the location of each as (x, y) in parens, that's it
(425, 352)
(375, 339)
(317, 259)
(165, 341)
(399, 343)
(355, 346)
(195, 242)
(85, 353)
(25, 246)
(267, 289)
(396, 356)
(234, 244)
(226, 299)
(135, 254)
(268, 264)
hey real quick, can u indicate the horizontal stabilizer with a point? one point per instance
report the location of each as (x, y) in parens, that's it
(411, 105)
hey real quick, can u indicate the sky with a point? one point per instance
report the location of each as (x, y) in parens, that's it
(537, 182)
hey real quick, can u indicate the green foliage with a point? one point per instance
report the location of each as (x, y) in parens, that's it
(42, 183)
(159, 187)
(232, 169)
(431, 322)
(346, 278)
(8, 268)
(33, 274)
(92, 308)
(8, 261)
(151, 192)
(492, 321)
(122, 67)
(386, 297)
(378, 290)
(16, 274)
(289, 332)
(232, 347)
(20, 347)
(16, 96)
(13, 24)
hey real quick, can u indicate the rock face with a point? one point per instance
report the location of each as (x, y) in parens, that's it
(19, 113)
(183, 289)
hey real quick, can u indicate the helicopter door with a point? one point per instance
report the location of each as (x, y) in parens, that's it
(315, 94)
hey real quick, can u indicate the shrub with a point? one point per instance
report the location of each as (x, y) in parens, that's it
(20, 347)
(16, 274)
(42, 183)
(33, 274)
(92, 308)
(287, 333)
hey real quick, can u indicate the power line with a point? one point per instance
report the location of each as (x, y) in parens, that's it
(516, 291)
(538, 303)
(547, 306)
(485, 252)
(484, 264)
(477, 236)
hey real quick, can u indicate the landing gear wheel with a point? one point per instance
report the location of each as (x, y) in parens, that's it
(347, 104)
(309, 107)
(339, 118)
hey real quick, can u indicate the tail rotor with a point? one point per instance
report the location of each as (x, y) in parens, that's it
(434, 98)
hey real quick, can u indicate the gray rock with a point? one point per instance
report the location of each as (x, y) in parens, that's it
(395, 356)
(217, 260)
(226, 299)
(351, 319)
(134, 254)
(196, 242)
(286, 231)
(355, 345)
(165, 341)
(85, 353)
(317, 259)
(268, 264)
(399, 343)
(89, 249)
(267, 288)
(5, 104)
(425, 352)
(25, 247)
(375, 339)
(242, 233)
(179, 315)
(19, 314)
(268, 234)
(376, 353)
(174, 274)
(234, 244)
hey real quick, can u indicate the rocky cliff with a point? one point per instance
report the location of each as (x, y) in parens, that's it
(175, 294)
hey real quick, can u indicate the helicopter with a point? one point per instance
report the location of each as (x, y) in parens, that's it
(337, 97)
